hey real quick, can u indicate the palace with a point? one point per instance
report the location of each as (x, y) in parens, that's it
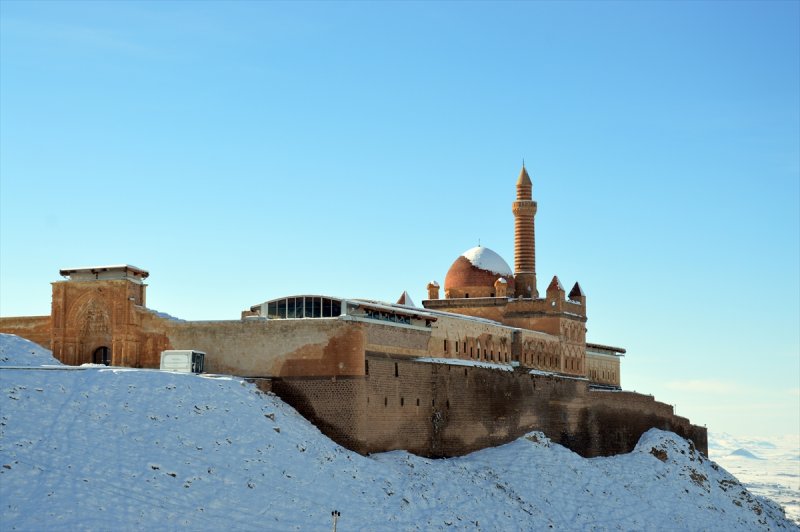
(479, 367)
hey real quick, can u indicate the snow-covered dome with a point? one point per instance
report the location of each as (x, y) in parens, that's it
(474, 273)
(486, 259)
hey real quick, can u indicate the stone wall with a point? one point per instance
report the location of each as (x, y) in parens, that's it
(336, 406)
(33, 328)
(322, 347)
(448, 410)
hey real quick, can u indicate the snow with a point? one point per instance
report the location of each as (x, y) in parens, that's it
(461, 362)
(127, 449)
(16, 351)
(104, 267)
(766, 467)
(486, 259)
(559, 375)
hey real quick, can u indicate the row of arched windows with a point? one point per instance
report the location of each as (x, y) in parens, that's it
(490, 351)
(603, 376)
(540, 354)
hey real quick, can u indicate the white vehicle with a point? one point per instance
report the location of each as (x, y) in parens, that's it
(184, 360)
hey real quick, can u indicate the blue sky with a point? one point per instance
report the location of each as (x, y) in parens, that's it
(244, 151)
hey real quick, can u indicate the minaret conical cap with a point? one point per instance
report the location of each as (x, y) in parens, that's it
(524, 178)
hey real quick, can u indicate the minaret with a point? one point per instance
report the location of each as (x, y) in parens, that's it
(524, 210)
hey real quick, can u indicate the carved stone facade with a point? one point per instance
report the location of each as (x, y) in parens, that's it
(96, 317)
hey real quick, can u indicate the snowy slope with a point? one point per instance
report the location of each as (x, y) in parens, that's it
(103, 448)
(16, 351)
(767, 467)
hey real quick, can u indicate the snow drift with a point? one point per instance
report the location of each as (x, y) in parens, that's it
(123, 449)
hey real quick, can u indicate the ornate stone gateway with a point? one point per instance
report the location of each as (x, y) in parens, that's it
(95, 315)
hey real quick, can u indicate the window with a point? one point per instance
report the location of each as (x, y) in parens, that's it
(402, 401)
(366, 367)
(396, 371)
(417, 401)
(385, 401)
(445, 346)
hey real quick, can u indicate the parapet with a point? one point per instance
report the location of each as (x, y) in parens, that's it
(105, 273)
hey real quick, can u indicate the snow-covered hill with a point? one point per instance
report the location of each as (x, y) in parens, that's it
(122, 449)
(767, 467)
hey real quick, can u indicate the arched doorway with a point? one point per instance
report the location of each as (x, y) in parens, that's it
(102, 355)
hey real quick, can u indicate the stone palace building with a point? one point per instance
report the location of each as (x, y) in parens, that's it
(484, 364)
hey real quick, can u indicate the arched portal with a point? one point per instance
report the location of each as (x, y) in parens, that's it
(102, 355)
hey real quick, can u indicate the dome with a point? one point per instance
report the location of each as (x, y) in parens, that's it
(474, 273)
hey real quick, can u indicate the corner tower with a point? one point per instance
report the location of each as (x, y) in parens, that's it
(524, 210)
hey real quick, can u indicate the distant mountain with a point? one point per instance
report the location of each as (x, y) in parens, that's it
(125, 449)
(744, 453)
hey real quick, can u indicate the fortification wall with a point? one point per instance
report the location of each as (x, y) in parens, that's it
(334, 405)
(448, 410)
(34, 328)
(281, 348)
(396, 340)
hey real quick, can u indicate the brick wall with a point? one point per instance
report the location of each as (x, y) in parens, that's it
(337, 406)
(443, 410)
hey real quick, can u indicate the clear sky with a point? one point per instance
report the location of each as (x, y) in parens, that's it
(245, 151)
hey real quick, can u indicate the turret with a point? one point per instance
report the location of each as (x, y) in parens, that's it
(433, 290)
(501, 287)
(577, 295)
(555, 295)
(524, 210)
